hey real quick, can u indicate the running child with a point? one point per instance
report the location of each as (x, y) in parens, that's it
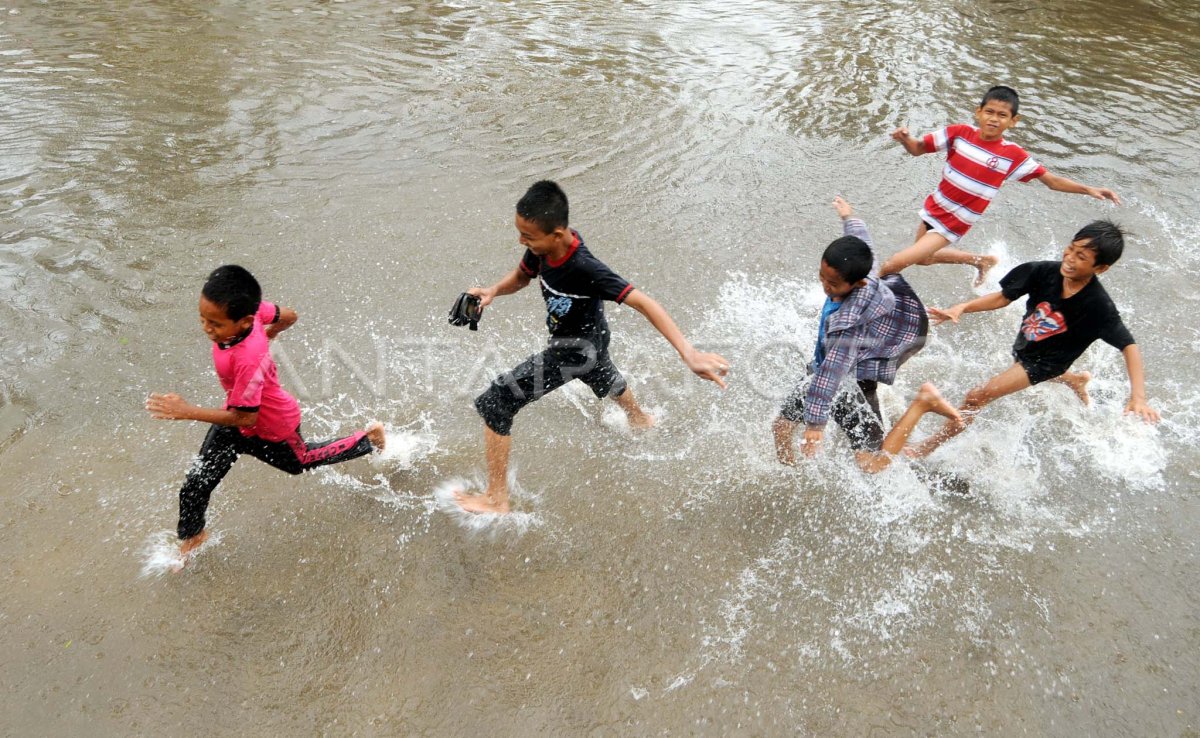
(868, 328)
(1066, 310)
(258, 418)
(574, 284)
(978, 162)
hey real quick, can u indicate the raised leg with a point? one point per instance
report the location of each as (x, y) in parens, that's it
(928, 399)
(1012, 379)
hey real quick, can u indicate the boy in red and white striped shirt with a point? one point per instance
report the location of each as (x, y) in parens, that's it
(978, 162)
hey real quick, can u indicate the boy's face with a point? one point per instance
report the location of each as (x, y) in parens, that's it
(217, 325)
(835, 285)
(1079, 262)
(533, 238)
(994, 118)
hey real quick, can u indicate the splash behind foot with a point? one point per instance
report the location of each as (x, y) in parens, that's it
(161, 553)
(983, 266)
(445, 498)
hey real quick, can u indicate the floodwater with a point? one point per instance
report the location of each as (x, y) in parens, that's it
(363, 160)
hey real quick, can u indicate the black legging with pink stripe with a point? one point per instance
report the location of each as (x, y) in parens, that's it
(224, 444)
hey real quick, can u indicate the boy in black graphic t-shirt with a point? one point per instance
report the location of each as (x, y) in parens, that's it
(1067, 309)
(574, 285)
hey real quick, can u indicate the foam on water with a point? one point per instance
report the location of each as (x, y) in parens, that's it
(160, 554)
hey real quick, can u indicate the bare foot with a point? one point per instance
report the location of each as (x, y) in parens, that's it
(786, 457)
(484, 503)
(375, 435)
(1078, 382)
(932, 400)
(983, 266)
(188, 548)
(641, 420)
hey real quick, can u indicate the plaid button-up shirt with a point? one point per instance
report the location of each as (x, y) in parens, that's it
(868, 334)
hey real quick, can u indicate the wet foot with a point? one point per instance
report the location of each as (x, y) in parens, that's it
(982, 266)
(1078, 382)
(932, 400)
(188, 548)
(375, 435)
(641, 420)
(484, 503)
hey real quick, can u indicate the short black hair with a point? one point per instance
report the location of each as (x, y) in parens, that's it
(1000, 93)
(544, 203)
(1105, 238)
(235, 289)
(849, 256)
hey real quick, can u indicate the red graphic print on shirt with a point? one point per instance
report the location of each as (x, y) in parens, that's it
(1043, 322)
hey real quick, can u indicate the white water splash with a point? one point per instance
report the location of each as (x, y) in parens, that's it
(161, 555)
(403, 449)
(490, 524)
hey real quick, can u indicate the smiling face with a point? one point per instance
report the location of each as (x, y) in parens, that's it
(551, 244)
(217, 325)
(1079, 262)
(994, 118)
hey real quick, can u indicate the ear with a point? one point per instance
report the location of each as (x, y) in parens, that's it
(1016, 120)
(1101, 269)
(246, 323)
(860, 283)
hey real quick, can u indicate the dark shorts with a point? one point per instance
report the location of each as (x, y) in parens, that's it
(1039, 371)
(565, 359)
(855, 410)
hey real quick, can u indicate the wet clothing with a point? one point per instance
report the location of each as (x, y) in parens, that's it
(248, 375)
(974, 172)
(574, 289)
(224, 444)
(539, 375)
(1056, 331)
(855, 410)
(879, 326)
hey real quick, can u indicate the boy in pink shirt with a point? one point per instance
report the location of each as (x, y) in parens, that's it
(978, 162)
(259, 418)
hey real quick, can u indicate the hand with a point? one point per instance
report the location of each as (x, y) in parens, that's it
(842, 207)
(485, 295)
(937, 317)
(811, 442)
(712, 367)
(1103, 193)
(900, 134)
(1139, 407)
(168, 407)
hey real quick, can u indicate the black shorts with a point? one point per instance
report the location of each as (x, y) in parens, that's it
(855, 410)
(565, 359)
(1039, 371)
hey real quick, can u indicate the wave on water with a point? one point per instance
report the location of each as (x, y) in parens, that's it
(161, 556)
(492, 525)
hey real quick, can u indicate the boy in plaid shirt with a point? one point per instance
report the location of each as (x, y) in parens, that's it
(869, 326)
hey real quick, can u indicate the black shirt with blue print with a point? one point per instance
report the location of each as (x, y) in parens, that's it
(574, 289)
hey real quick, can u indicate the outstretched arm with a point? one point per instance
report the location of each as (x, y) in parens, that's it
(994, 301)
(514, 281)
(912, 145)
(173, 407)
(1062, 184)
(287, 317)
(712, 367)
(1137, 385)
